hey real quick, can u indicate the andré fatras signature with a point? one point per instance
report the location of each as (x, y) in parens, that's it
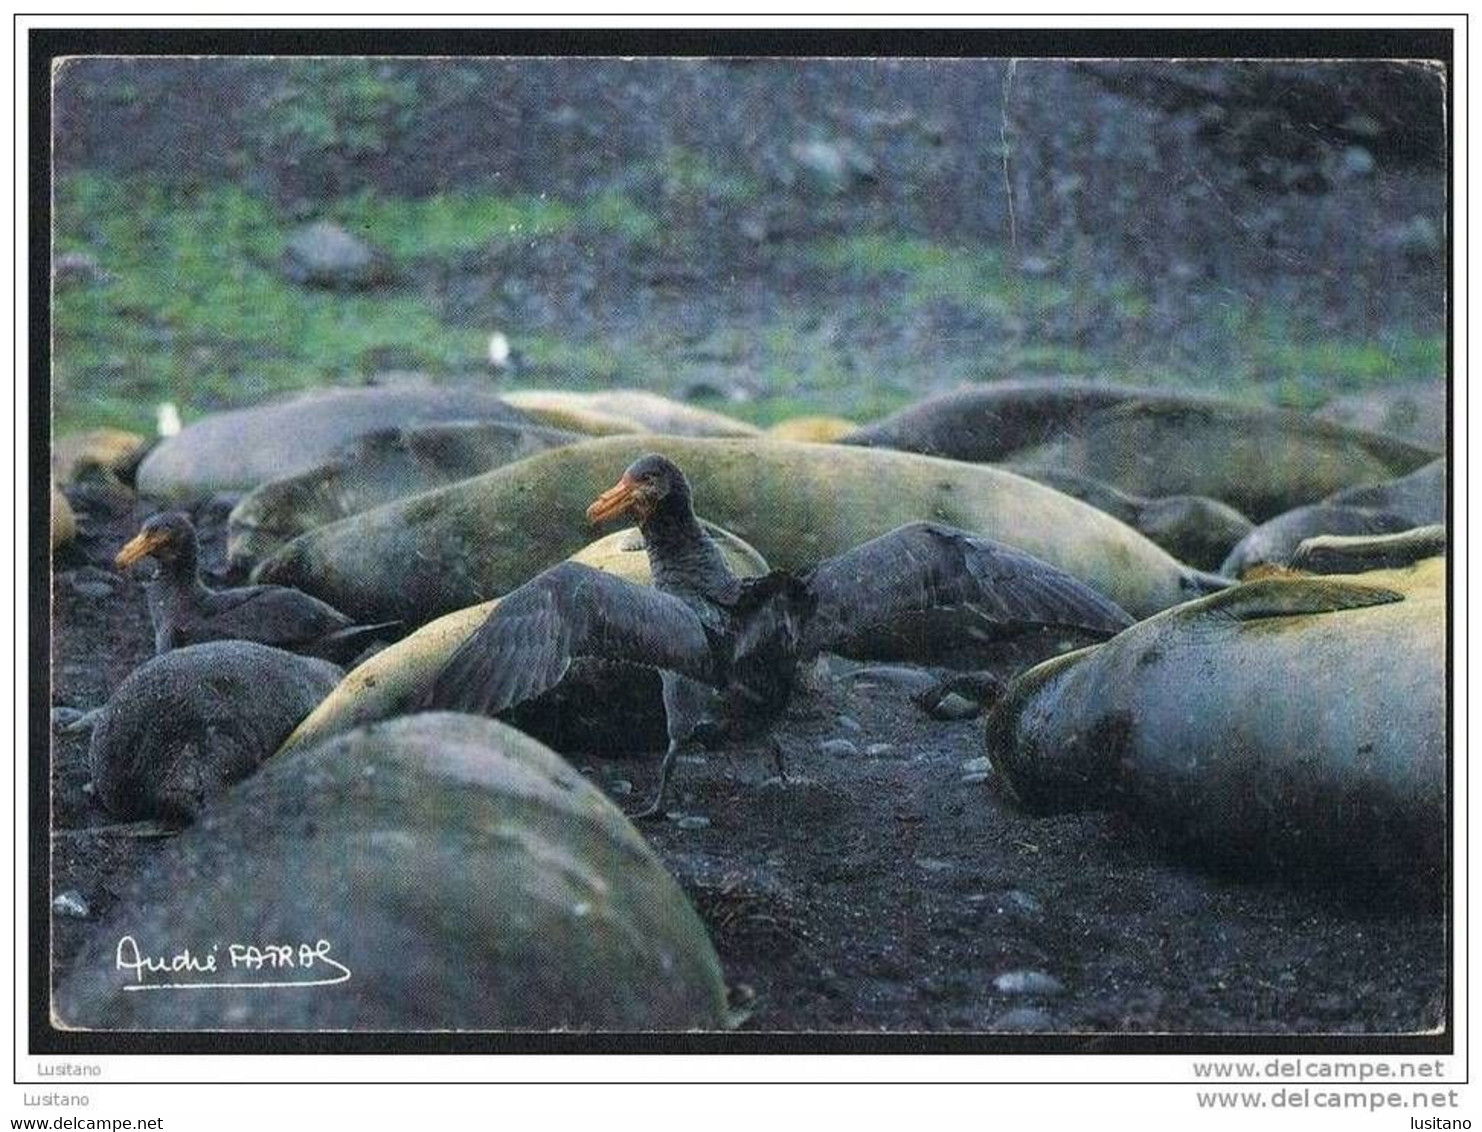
(242, 966)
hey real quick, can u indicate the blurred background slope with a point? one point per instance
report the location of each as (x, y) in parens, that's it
(771, 237)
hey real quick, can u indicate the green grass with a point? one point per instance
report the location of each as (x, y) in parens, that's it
(197, 311)
(973, 277)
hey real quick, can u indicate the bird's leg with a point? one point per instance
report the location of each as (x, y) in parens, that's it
(779, 758)
(656, 807)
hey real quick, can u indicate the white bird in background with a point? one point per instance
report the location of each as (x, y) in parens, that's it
(167, 419)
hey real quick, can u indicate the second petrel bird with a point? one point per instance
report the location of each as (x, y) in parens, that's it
(728, 648)
(185, 611)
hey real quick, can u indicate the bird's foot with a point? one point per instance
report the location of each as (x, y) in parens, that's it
(779, 759)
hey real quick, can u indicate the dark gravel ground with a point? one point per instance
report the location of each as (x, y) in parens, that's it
(887, 888)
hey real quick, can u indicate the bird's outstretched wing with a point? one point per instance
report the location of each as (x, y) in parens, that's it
(882, 595)
(569, 611)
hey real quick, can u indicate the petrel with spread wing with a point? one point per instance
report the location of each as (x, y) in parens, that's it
(728, 648)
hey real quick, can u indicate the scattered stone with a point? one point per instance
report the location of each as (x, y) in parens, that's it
(620, 786)
(838, 748)
(325, 255)
(1024, 1018)
(832, 167)
(71, 904)
(955, 707)
(979, 765)
(1024, 902)
(93, 588)
(73, 269)
(1028, 983)
(850, 724)
(933, 864)
(974, 779)
(878, 750)
(693, 821)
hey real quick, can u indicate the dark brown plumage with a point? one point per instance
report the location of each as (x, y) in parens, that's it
(728, 647)
(185, 611)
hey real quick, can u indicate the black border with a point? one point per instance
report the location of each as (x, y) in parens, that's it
(46, 44)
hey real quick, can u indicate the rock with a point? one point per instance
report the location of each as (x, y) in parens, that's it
(1341, 776)
(240, 449)
(879, 750)
(615, 708)
(324, 255)
(977, 778)
(955, 707)
(71, 904)
(77, 269)
(693, 821)
(1026, 1019)
(461, 876)
(94, 591)
(1024, 902)
(185, 725)
(850, 724)
(838, 749)
(833, 167)
(978, 765)
(1036, 983)
(378, 467)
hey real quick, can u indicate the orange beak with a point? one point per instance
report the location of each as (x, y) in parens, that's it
(613, 502)
(138, 547)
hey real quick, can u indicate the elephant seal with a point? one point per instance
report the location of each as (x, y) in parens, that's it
(1296, 725)
(1415, 412)
(1260, 460)
(814, 430)
(437, 872)
(373, 469)
(1275, 541)
(618, 709)
(1420, 496)
(113, 453)
(649, 412)
(1337, 554)
(238, 450)
(987, 423)
(1192, 528)
(188, 723)
(798, 504)
(63, 522)
(1153, 443)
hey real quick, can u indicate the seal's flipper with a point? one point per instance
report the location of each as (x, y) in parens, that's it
(1355, 554)
(1287, 597)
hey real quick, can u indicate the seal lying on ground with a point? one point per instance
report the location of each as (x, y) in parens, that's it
(1192, 528)
(373, 469)
(440, 872)
(1296, 725)
(184, 726)
(796, 503)
(649, 412)
(238, 450)
(1260, 460)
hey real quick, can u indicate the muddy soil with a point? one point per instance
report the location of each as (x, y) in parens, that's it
(886, 885)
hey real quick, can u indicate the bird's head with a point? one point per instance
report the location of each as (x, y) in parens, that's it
(651, 484)
(166, 537)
